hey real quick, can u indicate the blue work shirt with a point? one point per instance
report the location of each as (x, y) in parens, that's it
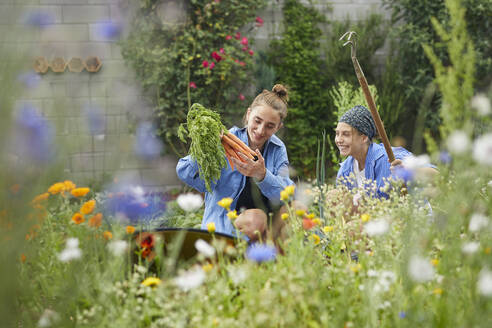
(231, 183)
(377, 168)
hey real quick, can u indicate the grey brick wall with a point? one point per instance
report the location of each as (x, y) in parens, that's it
(61, 97)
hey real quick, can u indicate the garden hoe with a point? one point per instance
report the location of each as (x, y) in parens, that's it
(367, 95)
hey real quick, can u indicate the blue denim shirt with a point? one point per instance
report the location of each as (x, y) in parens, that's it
(377, 168)
(231, 183)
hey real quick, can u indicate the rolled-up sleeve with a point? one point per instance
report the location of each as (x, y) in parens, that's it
(187, 170)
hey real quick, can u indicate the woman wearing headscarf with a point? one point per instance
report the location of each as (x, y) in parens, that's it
(367, 165)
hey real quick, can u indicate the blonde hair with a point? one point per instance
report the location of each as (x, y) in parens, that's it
(276, 99)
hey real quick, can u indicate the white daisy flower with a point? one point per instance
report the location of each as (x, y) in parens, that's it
(482, 149)
(204, 248)
(420, 269)
(48, 318)
(118, 247)
(190, 279)
(484, 284)
(458, 142)
(376, 227)
(477, 222)
(71, 252)
(190, 202)
(481, 104)
(470, 248)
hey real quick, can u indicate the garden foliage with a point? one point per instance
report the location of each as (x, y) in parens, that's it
(410, 67)
(203, 58)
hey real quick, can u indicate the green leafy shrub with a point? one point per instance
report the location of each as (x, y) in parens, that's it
(202, 59)
(411, 69)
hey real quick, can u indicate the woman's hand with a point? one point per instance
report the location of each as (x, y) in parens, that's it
(250, 168)
(394, 164)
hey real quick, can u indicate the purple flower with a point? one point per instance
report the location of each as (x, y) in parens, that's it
(261, 253)
(29, 79)
(134, 203)
(402, 173)
(444, 157)
(402, 314)
(109, 30)
(34, 135)
(147, 145)
(95, 120)
(39, 19)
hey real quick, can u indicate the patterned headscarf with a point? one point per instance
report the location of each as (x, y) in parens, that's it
(360, 118)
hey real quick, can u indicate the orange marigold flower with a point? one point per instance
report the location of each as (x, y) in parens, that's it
(307, 224)
(146, 242)
(78, 218)
(88, 207)
(96, 220)
(23, 258)
(40, 198)
(80, 192)
(56, 188)
(69, 185)
(107, 235)
(130, 229)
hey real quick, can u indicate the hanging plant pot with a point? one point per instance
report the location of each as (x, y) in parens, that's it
(93, 64)
(76, 65)
(58, 65)
(41, 65)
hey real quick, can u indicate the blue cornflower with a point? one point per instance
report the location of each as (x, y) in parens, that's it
(95, 120)
(403, 174)
(109, 30)
(29, 79)
(39, 19)
(147, 145)
(261, 253)
(135, 204)
(34, 135)
(445, 157)
(402, 314)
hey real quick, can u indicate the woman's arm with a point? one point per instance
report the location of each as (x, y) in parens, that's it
(187, 170)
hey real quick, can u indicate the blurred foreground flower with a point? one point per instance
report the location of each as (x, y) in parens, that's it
(261, 253)
(147, 145)
(484, 284)
(29, 79)
(470, 248)
(190, 279)
(481, 104)
(420, 269)
(38, 18)
(204, 248)
(458, 142)
(118, 247)
(34, 136)
(151, 282)
(109, 30)
(71, 252)
(482, 149)
(478, 221)
(48, 318)
(190, 201)
(134, 203)
(376, 227)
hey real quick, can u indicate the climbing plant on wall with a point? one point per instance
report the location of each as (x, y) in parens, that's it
(206, 57)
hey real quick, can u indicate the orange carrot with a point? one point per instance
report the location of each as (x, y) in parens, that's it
(238, 147)
(230, 151)
(241, 143)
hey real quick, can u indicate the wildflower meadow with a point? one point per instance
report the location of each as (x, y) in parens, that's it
(96, 254)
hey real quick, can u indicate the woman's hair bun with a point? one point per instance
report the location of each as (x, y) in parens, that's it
(281, 92)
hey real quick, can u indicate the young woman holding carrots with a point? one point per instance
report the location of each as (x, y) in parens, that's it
(257, 173)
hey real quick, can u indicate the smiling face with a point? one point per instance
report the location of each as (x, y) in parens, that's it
(349, 141)
(263, 121)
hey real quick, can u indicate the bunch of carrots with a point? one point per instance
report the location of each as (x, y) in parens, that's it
(233, 145)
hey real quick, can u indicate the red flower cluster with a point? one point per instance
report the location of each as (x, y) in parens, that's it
(259, 21)
(146, 242)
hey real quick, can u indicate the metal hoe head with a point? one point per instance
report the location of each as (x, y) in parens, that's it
(350, 36)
